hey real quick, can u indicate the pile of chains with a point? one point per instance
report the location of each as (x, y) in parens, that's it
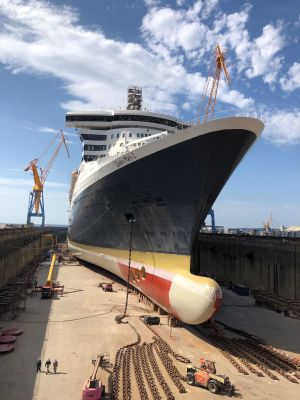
(122, 363)
(228, 353)
(136, 359)
(146, 369)
(261, 352)
(258, 358)
(168, 349)
(148, 372)
(175, 375)
(126, 374)
(158, 374)
(294, 363)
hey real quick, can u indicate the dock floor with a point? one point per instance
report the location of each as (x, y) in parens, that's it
(80, 323)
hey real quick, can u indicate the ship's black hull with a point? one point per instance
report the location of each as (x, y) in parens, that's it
(169, 193)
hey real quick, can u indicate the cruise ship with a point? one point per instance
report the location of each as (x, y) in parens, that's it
(145, 184)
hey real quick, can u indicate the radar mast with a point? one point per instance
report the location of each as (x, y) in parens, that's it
(134, 98)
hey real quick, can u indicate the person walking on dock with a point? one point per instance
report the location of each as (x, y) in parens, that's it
(55, 365)
(38, 365)
(47, 365)
(35, 281)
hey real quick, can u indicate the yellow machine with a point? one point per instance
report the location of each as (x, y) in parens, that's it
(36, 197)
(50, 286)
(47, 289)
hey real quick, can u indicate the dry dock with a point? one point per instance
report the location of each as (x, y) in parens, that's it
(80, 323)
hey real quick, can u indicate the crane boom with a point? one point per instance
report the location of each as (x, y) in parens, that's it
(212, 99)
(50, 273)
(45, 172)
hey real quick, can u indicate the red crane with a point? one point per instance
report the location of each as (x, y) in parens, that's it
(208, 102)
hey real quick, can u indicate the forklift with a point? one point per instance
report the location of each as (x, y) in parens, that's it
(206, 376)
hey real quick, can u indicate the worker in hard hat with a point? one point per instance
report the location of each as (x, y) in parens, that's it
(47, 365)
(55, 365)
(38, 365)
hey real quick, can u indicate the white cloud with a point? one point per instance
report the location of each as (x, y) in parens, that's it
(262, 54)
(236, 98)
(102, 72)
(209, 6)
(232, 31)
(184, 30)
(176, 29)
(186, 106)
(291, 80)
(152, 3)
(47, 130)
(99, 77)
(14, 200)
(52, 130)
(259, 56)
(28, 182)
(282, 127)
(15, 169)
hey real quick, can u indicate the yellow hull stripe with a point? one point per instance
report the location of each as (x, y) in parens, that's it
(172, 263)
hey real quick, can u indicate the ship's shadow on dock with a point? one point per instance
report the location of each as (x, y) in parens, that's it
(71, 290)
(104, 273)
(21, 363)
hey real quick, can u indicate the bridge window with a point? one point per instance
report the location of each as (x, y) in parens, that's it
(88, 136)
(120, 117)
(92, 147)
(89, 158)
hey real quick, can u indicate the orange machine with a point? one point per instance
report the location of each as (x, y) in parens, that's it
(206, 376)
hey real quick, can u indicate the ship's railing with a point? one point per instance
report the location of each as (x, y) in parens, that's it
(225, 114)
(179, 128)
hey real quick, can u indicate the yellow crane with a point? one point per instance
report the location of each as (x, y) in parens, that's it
(208, 102)
(267, 224)
(36, 196)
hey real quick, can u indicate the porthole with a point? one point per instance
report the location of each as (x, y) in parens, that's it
(137, 275)
(131, 277)
(143, 273)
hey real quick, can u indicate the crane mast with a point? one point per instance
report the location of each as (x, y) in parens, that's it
(209, 105)
(36, 196)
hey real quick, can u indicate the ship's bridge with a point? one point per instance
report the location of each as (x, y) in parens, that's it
(101, 130)
(118, 119)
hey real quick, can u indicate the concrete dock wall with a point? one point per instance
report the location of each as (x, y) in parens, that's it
(19, 246)
(265, 263)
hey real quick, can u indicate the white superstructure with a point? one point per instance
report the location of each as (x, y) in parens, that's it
(105, 132)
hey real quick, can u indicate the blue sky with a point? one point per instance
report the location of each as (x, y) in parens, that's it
(59, 56)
